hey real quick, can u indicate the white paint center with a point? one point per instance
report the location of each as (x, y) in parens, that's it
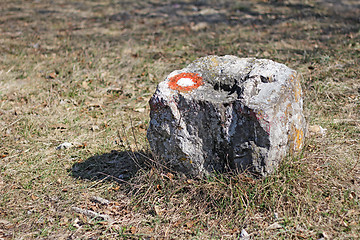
(185, 82)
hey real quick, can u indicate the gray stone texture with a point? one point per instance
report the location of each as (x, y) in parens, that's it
(223, 113)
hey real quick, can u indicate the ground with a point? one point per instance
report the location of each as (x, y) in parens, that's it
(82, 72)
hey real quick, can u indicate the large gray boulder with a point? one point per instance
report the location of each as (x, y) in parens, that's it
(222, 113)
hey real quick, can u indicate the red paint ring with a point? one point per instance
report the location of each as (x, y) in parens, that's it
(173, 83)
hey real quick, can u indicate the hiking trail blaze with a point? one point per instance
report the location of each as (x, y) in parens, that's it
(185, 82)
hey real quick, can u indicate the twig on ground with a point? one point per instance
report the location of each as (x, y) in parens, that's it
(12, 123)
(119, 179)
(91, 214)
(100, 200)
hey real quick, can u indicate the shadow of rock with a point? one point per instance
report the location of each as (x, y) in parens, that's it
(114, 166)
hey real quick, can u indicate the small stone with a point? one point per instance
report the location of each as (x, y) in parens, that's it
(64, 101)
(64, 145)
(95, 128)
(36, 45)
(59, 181)
(208, 11)
(199, 26)
(324, 236)
(140, 110)
(223, 113)
(244, 235)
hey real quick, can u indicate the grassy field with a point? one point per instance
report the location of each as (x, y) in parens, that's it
(82, 72)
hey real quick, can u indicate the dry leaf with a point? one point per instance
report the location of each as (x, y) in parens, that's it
(94, 128)
(274, 226)
(158, 211)
(317, 130)
(76, 223)
(83, 218)
(190, 224)
(5, 224)
(147, 230)
(170, 175)
(59, 181)
(108, 211)
(114, 188)
(33, 197)
(85, 85)
(353, 223)
(94, 208)
(311, 148)
(80, 145)
(64, 221)
(198, 27)
(52, 75)
(151, 172)
(140, 110)
(178, 223)
(190, 181)
(151, 77)
(352, 195)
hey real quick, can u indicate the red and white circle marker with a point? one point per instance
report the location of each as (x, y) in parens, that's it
(185, 82)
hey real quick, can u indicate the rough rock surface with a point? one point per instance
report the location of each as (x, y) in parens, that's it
(222, 113)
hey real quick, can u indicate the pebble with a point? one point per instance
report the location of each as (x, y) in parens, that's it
(64, 145)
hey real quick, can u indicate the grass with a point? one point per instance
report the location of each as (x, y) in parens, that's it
(83, 73)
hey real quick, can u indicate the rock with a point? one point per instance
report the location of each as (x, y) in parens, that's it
(223, 113)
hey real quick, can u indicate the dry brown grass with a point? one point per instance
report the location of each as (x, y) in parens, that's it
(82, 72)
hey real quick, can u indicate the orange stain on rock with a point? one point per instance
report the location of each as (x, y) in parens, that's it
(294, 78)
(195, 78)
(288, 111)
(296, 139)
(299, 139)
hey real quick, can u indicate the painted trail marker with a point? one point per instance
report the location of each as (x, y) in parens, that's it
(222, 113)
